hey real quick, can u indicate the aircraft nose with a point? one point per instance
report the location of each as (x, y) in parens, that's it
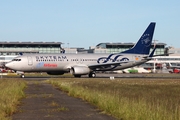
(9, 65)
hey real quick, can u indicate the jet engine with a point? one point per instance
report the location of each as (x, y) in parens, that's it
(79, 70)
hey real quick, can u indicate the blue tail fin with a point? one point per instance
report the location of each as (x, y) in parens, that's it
(144, 43)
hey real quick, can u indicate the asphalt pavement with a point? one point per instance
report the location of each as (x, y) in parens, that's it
(44, 102)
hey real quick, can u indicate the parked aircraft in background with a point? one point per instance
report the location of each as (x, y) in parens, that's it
(158, 62)
(86, 64)
(171, 63)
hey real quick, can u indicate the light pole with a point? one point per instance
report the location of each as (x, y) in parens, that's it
(154, 70)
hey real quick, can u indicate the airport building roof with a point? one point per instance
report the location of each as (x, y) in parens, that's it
(31, 43)
(106, 45)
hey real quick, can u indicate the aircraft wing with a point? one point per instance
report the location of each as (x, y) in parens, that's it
(106, 65)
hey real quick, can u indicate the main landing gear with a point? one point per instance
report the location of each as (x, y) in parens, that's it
(22, 75)
(92, 74)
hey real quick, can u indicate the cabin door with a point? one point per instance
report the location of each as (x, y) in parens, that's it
(30, 61)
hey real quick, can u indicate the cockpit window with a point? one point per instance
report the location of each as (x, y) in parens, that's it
(16, 60)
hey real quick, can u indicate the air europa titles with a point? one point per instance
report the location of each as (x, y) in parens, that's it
(49, 57)
(50, 65)
(46, 65)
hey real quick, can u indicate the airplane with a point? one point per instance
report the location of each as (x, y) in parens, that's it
(86, 64)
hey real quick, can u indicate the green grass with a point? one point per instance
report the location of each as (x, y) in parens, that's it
(11, 90)
(127, 99)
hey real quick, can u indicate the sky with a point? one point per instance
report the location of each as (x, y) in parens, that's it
(84, 23)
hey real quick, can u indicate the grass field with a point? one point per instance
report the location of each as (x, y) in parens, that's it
(127, 99)
(123, 98)
(11, 90)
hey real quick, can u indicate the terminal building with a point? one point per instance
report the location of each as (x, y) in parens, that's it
(14, 48)
(10, 50)
(119, 47)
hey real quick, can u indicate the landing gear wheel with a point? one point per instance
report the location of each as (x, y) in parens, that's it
(22, 76)
(92, 75)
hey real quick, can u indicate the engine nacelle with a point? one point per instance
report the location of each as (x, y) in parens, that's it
(79, 70)
(55, 73)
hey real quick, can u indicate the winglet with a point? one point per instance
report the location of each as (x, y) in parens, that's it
(144, 43)
(152, 53)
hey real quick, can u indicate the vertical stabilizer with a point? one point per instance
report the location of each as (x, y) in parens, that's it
(144, 43)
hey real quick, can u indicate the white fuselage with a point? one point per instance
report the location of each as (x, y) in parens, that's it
(63, 62)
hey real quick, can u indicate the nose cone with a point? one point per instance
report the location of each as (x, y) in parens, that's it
(10, 65)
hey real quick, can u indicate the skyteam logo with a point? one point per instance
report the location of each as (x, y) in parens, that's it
(39, 65)
(145, 39)
(112, 58)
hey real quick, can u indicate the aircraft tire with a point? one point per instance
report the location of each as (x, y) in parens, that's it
(92, 75)
(22, 76)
